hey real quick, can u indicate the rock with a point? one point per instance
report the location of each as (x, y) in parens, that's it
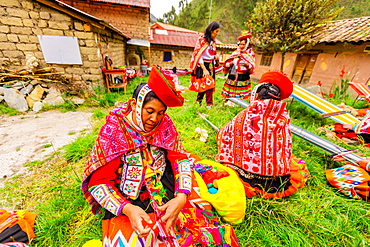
(1, 98)
(37, 106)
(15, 99)
(78, 101)
(26, 90)
(2, 90)
(35, 95)
(35, 82)
(54, 97)
(19, 85)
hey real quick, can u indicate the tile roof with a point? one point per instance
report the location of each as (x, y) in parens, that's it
(138, 3)
(346, 30)
(227, 46)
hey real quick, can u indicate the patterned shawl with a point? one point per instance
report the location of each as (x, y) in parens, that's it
(200, 48)
(117, 136)
(247, 56)
(258, 139)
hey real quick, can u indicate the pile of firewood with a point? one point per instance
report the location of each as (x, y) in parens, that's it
(48, 74)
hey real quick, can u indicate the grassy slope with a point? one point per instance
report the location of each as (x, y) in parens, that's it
(316, 215)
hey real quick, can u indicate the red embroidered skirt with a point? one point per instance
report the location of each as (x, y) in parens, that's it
(198, 83)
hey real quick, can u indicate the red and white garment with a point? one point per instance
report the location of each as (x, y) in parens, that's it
(258, 139)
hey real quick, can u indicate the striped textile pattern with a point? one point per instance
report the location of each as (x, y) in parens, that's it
(321, 105)
(362, 89)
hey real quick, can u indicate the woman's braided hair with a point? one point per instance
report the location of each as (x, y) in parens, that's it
(268, 91)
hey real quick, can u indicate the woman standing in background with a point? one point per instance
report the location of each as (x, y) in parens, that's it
(239, 65)
(203, 63)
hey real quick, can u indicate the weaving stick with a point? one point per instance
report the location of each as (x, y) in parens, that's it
(209, 122)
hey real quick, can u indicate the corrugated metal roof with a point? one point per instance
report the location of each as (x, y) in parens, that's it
(138, 3)
(171, 27)
(166, 34)
(346, 30)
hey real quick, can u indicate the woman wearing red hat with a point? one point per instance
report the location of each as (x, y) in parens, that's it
(257, 143)
(239, 65)
(203, 64)
(139, 172)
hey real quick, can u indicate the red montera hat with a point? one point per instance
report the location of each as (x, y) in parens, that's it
(245, 35)
(281, 80)
(164, 87)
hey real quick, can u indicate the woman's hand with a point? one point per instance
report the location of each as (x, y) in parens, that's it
(205, 72)
(136, 216)
(172, 209)
(348, 126)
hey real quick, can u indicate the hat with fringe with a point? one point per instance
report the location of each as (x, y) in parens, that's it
(163, 86)
(245, 35)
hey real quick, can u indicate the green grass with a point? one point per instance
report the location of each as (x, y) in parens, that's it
(5, 109)
(316, 215)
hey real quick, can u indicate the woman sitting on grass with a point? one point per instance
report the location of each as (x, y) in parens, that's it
(139, 172)
(257, 143)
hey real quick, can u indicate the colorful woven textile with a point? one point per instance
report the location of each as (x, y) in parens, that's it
(200, 47)
(196, 226)
(20, 221)
(258, 139)
(321, 105)
(14, 244)
(351, 180)
(198, 83)
(363, 126)
(236, 89)
(244, 61)
(362, 89)
(118, 136)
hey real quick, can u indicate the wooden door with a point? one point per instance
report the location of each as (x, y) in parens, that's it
(303, 68)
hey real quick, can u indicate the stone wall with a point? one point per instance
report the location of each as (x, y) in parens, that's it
(132, 20)
(23, 20)
(181, 56)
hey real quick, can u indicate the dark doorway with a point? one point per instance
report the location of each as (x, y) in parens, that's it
(303, 68)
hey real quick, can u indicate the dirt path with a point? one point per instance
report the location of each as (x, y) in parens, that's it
(30, 137)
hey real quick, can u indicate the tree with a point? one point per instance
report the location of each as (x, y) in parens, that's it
(288, 25)
(170, 16)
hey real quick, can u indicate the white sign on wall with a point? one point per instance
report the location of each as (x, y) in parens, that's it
(60, 49)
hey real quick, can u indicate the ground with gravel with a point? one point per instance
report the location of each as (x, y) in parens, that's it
(34, 136)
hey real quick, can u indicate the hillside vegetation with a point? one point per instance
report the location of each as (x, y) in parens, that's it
(232, 15)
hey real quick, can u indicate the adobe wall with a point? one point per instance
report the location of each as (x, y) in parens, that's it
(131, 20)
(181, 56)
(334, 58)
(23, 20)
(330, 61)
